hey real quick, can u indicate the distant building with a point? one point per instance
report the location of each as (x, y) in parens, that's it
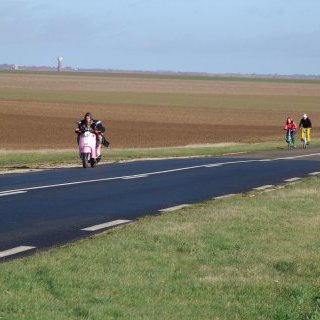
(60, 64)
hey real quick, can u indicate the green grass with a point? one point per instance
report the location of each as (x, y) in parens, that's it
(51, 158)
(160, 76)
(11, 160)
(241, 258)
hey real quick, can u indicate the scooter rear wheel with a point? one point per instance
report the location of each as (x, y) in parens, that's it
(93, 163)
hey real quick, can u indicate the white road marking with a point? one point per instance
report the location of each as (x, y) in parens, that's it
(11, 193)
(267, 186)
(292, 179)
(297, 157)
(208, 165)
(213, 165)
(181, 206)
(314, 173)
(97, 180)
(16, 250)
(106, 225)
(224, 196)
(136, 176)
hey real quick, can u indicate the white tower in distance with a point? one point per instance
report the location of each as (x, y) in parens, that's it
(60, 63)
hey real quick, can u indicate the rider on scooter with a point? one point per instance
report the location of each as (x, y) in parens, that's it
(95, 126)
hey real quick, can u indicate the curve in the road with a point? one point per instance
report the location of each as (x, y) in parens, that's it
(40, 210)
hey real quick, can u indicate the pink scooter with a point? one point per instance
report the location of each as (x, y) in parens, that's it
(88, 148)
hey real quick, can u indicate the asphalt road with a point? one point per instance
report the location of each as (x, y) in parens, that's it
(43, 209)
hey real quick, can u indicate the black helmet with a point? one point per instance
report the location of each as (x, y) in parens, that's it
(88, 114)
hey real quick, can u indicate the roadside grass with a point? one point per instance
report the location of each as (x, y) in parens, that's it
(41, 159)
(247, 257)
(51, 158)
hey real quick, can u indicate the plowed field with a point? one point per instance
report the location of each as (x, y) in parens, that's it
(39, 111)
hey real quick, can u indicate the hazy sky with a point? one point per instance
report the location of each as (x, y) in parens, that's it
(247, 36)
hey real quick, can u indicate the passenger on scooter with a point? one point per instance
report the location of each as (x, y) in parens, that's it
(305, 123)
(88, 123)
(291, 125)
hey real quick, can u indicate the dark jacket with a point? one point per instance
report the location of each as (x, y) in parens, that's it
(305, 123)
(95, 125)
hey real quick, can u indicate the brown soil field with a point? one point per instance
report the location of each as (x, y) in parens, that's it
(39, 111)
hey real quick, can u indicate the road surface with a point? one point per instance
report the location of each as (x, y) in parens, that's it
(47, 208)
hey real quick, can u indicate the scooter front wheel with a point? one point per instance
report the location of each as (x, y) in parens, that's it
(304, 144)
(85, 159)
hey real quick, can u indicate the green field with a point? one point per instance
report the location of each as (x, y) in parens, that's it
(163, 76)
(253, 256)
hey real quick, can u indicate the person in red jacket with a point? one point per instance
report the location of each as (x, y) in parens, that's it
(291, 125)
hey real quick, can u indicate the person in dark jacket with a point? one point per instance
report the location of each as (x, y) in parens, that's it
(305, 125)
(95, 127)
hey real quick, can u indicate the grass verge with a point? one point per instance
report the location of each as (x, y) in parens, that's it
(12, 160)
(241, 258)
(48, 158)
